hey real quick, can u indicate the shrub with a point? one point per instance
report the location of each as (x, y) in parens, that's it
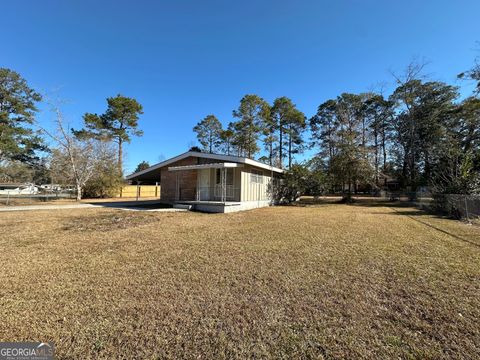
(105, 183)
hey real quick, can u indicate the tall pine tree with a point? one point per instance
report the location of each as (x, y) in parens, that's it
(118, 124)
(252, 113)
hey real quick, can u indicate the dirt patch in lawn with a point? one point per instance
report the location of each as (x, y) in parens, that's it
(107, 222)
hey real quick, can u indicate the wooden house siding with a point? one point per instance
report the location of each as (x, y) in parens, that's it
(254, 191)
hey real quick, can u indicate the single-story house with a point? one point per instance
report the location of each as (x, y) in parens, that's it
(212, 182)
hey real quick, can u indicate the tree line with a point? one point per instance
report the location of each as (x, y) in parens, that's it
(278, 127)
(422, 134)
(91, 157)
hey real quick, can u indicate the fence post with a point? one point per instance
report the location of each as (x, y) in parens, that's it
(466, 207)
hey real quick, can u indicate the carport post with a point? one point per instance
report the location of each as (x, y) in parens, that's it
(224, 184)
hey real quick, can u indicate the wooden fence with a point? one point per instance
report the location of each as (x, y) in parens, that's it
(140, 191)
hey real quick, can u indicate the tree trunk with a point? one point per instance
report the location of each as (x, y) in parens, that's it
(290, 149)
(120, 156)
(271, 153)
(427, 165)
(376, 157)
(412, 168)
(406, 154)
(280, 140)
(249, 148)
(384, 149)
(404, 172)
(79, 192)
(363, 133)
(412, 150)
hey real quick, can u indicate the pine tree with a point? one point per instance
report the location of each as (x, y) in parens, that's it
(252, 114)
(118, 124)
(209, 132)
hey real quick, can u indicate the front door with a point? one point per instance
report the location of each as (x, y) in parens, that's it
(204, 184)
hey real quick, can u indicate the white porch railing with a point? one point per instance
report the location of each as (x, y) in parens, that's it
(216, 193)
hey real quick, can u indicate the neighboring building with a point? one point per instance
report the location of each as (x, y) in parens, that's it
(51, 187)
(387, 182)
(211, 182)
(18, 189)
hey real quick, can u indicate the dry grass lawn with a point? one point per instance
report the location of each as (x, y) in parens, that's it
(27, 201)
(327, 281)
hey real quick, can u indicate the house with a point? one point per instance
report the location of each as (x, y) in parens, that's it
(388, 182)
(211, 182)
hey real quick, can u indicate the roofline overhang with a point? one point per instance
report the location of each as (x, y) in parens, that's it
(205, 166)
(228, 158)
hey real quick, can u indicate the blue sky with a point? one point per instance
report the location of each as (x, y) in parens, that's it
(183, 60)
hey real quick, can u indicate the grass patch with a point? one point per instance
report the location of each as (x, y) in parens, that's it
(107, 222)
(329, 281)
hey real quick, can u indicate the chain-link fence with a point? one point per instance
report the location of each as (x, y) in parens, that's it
(456, 205)
(12, 199)
(459, 206)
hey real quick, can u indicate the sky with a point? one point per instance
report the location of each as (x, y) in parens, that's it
(183, 60)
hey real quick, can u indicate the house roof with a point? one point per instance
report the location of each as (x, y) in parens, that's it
(221, 165)
(389, 178)
(220, 157)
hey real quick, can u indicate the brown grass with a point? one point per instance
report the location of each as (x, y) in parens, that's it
(28, 201)
(328, 281)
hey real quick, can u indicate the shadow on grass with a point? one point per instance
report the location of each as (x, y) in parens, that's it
(356, 201)
(140, 204)
(375, 202)
(403, 208)
(412, 213)
(413, 217)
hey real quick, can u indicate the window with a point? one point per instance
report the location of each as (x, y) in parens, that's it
(218, 176)
(257, 176)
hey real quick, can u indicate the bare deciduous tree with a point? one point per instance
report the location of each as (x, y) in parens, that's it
(75, 159)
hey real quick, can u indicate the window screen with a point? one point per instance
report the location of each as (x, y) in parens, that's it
(218, 176)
